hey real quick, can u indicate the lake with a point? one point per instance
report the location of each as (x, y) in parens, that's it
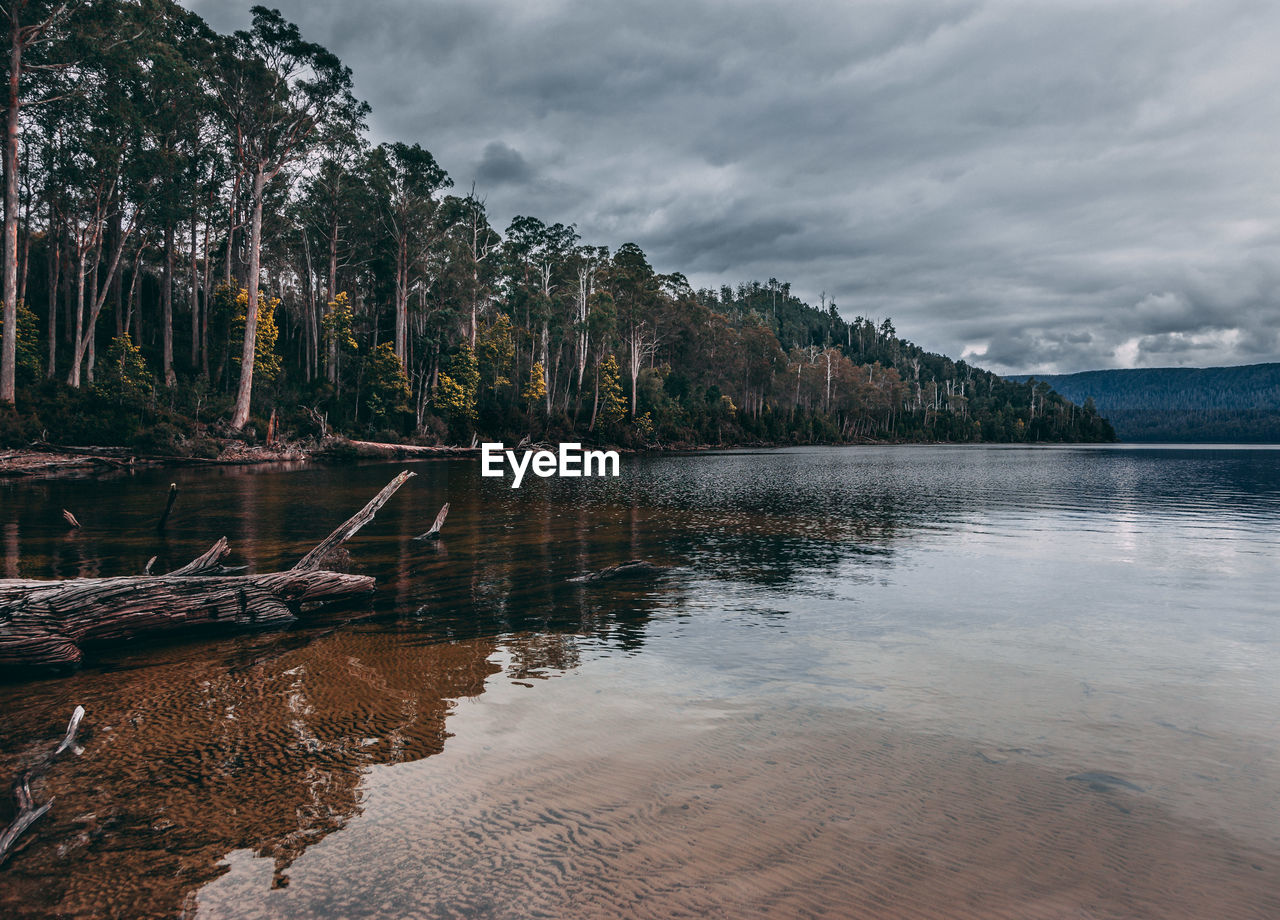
(891, 682)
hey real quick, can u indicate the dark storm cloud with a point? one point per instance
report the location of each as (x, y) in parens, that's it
(500, 164)
(1047, 186)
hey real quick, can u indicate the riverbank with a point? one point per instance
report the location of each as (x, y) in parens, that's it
(53, 460)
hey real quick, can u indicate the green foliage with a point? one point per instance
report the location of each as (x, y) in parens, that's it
(388, 393)
(17, 429)
(1223, 404)
(456, 392)
(496, 349)
(28, 345)
(338, 323)
(122, 377)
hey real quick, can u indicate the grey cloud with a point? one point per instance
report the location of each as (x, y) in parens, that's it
(501, 164)
(1053, 186)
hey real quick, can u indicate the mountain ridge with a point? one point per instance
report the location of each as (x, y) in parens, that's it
(1235, 403)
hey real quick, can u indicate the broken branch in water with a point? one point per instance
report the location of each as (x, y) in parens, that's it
(173, 497)
(435, 528)
(313, 560)
(28, 813)
(48, 623)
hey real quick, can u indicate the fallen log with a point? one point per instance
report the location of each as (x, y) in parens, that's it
(48, 623)
(379, 450)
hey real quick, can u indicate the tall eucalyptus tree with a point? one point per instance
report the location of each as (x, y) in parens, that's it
(276, 91)
(37, 47)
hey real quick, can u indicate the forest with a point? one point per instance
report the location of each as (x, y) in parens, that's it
(201, 242)
(1172, 404)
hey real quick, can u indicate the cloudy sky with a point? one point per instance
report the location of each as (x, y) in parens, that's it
(1037, 186)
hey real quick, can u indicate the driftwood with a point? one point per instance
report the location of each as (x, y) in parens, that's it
(632, 568)
(47, 623)
(435, 528)
(168, 506)
(34, 461)
(28, 814)
(394, 451)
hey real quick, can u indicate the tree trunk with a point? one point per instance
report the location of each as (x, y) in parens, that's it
(9, 344)
(195, 296)
(117, 282)
(77, 350)
(90, 335)
(85, 330)
(135, 298)
(309, 324)
(245, 391)
(402, 300)
(547, 385)
(206, 287)
(231, 228)
(166, 309)
(54, 243)
(26, 254)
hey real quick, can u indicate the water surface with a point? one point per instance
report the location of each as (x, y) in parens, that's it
(872, 682)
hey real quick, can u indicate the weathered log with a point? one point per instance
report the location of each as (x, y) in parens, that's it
(50, 622)
(372, 449)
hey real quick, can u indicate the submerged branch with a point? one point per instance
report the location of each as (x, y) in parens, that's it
(28, 814)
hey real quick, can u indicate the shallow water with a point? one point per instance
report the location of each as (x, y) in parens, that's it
(873, 682)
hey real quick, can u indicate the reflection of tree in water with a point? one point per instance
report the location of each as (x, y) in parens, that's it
(197, 750)
(492, 577)
(193, 757)
(538, 654)
(188, 760)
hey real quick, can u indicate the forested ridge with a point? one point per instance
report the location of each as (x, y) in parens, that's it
(1216, 404)
(200, 238)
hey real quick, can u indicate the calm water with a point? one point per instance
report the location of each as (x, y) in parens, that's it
(873, 682)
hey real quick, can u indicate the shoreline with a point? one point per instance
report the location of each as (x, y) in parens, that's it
(54, 460)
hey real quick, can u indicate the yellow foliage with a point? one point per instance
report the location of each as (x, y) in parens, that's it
(536, 388)
(266, 363)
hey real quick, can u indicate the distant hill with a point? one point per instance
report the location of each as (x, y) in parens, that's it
(1210, 404)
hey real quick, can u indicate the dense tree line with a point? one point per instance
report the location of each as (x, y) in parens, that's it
(199, 237)
(1219, 404)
